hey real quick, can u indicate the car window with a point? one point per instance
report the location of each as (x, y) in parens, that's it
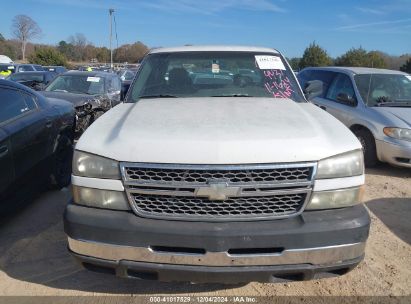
(14, 103)
(25, 68)
(215, 74)
(77, 84)
(129, 75)
(341, 85)
(116, 84)
(379, 88)
(326, 77)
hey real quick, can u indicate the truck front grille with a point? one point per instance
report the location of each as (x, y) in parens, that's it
(238, 207)
(233, 176)
(218, 192)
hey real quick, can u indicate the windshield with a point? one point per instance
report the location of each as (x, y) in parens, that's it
(27, 77)
(383, 89)
(78, 84)
(215, 74)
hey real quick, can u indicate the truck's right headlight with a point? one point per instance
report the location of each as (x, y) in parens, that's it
(342, 165)
(89, 165)
(99, 198)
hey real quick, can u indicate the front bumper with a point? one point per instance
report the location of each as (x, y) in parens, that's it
(398, 155)
(316, 242)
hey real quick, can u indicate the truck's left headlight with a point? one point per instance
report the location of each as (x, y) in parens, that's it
(342, 165)
(89, 165)
(336, 198)
(398, 133)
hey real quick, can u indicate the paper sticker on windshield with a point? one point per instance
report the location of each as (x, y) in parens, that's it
(269, 62)
(215, 68)
(10, 68)
(93, 79)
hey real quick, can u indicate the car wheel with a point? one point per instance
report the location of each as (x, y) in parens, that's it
(368, 145)
(62, 162)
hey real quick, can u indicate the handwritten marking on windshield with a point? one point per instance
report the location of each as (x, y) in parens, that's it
(278, 84)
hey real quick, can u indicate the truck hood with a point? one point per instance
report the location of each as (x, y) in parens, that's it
(401, 113)
(217, 131)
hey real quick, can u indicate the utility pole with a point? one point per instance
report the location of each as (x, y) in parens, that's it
(111, 11)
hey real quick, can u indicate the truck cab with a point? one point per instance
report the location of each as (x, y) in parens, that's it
(205, 174)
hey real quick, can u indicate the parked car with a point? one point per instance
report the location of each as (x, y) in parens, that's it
(92, 94)
(126, 77)
(36, 141)
(17, 68)
(215, 182)
(374, 103)
(55, 69)
(35, 80)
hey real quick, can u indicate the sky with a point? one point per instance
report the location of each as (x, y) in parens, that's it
(287, 25)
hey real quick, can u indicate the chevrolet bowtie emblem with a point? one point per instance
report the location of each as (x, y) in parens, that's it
(218, 191)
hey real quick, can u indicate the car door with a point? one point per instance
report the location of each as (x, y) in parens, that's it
(335, 100)
(6, 160)
(28, 128)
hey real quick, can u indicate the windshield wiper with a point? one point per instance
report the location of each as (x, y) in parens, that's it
(233, 95)
(59, 90)
(393, 103)
(158, 96)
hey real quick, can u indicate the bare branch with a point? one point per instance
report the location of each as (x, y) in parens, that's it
(24, 29)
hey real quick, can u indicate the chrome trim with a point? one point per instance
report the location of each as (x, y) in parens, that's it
(232, 190)
(314, 256)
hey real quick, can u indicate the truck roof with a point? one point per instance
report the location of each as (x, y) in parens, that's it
(214, 48)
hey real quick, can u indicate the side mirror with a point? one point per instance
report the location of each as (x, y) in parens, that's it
(313, 88)
(345, 99)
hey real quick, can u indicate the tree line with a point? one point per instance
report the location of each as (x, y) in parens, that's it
(315, 56)
(76, 48)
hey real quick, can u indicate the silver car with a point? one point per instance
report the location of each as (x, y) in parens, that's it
(374, 103)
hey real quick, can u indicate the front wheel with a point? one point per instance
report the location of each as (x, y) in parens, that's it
(61, 163)
(368, 145)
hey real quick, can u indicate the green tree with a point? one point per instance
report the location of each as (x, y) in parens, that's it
(295, 63)
(67, 49)
(48, 56)
(315, 56)
(358, 57)
(407, 66)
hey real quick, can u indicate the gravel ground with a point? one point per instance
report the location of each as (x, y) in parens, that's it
(34, 259)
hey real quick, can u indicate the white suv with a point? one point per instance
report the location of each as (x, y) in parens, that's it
(217, 169)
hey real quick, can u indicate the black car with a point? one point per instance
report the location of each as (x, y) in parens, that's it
(92, 94)
(56, 69)
(36, 141)
(36, 80)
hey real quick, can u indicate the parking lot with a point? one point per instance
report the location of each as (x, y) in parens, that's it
(34, 259)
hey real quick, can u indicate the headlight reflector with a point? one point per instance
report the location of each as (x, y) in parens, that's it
(336, 198)
(398, 133)
(98, 198)
(89, 165)
(342, 165)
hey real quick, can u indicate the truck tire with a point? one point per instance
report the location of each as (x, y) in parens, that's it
(368, 144)
(61, 163)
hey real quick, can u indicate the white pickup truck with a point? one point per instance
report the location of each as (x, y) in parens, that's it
(217, 169)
